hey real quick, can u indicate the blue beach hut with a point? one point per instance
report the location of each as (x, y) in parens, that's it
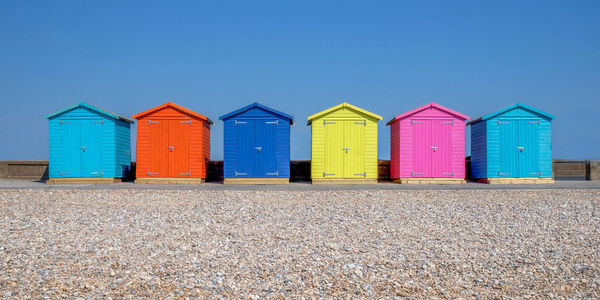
(512, 145)
(88, 145)
(256, 145)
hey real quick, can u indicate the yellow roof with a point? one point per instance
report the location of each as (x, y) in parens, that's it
(341, 105)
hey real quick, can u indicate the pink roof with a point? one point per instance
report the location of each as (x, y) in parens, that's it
(426, 106)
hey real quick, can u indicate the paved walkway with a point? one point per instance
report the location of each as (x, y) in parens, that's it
(27, 184)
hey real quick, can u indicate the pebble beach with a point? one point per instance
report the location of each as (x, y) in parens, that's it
(299, 244)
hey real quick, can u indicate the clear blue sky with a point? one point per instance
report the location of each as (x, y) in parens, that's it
(299, 57)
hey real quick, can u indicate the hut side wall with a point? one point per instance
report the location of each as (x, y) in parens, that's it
(478, 150)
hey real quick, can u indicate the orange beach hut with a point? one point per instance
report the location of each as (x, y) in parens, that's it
(173, 145)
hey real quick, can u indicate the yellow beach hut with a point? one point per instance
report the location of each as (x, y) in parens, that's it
(344, 145)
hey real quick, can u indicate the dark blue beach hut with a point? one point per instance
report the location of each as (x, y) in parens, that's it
(88, 145)
(257, 145)
(512, 145)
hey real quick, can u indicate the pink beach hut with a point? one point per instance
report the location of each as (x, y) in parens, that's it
(428, 146)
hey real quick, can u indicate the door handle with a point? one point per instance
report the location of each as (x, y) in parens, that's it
(83, 148)
(434, 148)
(521, 148)
(346, 149)
(171, 148)
(258, 148)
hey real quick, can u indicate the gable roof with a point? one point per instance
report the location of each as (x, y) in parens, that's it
(342, 105)
(256, 105)
(516, 105)
(93, 108)
(424, 107)
(175, 106)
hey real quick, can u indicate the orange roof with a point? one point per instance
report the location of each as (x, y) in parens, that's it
(175, 106)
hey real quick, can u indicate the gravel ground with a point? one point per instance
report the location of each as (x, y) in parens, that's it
(293, 244)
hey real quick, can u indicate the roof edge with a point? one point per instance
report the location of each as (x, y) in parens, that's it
(93, 108)
(175, 106)
(341, 105)
(253, 105)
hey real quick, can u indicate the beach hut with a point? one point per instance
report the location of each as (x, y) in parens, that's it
(173, 145)
(88, 145)
(256, 146)
(428, 146)
(344, 145)
(512, 145)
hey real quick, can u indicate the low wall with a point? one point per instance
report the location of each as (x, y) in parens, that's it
(24, 169)
(300, 170)
(569, 169)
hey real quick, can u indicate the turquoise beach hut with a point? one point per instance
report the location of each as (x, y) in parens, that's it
(512, 145)
(88, 145)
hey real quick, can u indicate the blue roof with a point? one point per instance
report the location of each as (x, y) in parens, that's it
(93, 108)
(258, 105)
(518, 104)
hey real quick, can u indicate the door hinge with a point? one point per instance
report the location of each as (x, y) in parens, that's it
(328, 174)
(415, 122)
(64, 173)
(188, 122)
(189, 173)
(325, 122)
(150, 173)
(538, 173)
(535, 122)
(63, 122)
(451, 173)
(362, 122)
(276, 122)
(500, 122)
(98, 122)
(364, 174)
(415, 173)
(449, 122)
(240, 174)
(276, 173)
(240, 122)
(98, 173)
(503, 174)
(152, 122)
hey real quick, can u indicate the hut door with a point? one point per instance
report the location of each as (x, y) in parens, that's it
(159, 141)
(527, 150)
(179, 148)
(509, 148)
(441, 148)
(71, 147)
(421, 148)
(354, 150)
(91, 140)
(265, 148)
(334, 149)
(245, 142)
